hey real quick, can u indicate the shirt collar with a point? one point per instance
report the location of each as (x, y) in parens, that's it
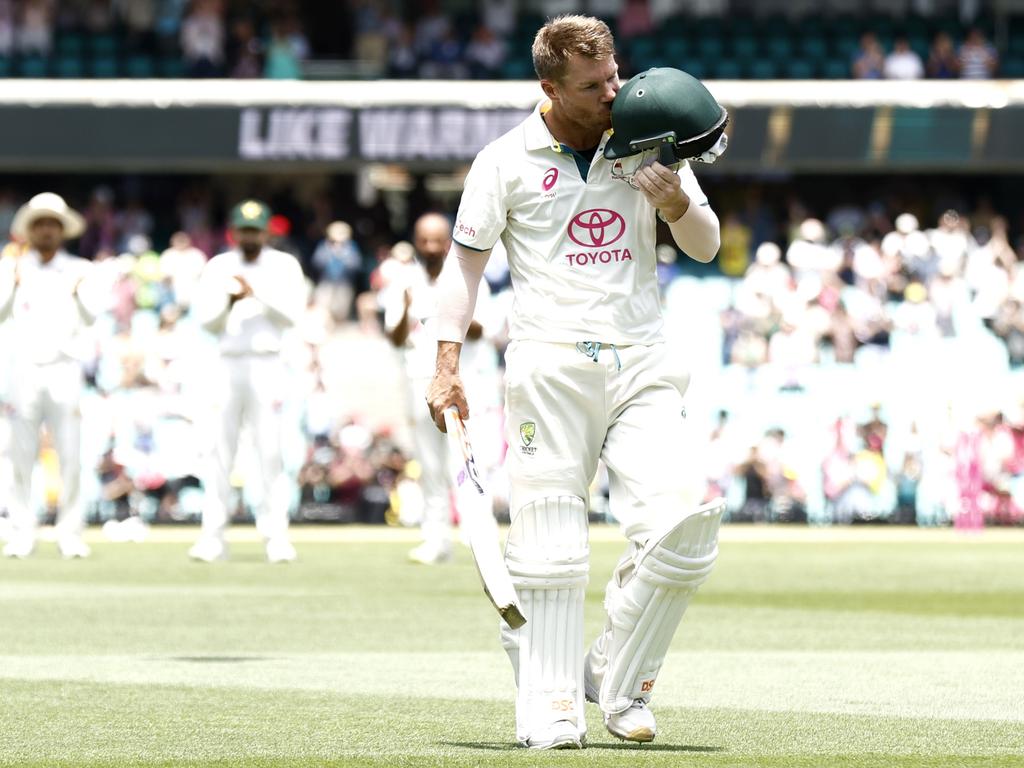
(539, 137)
(241, 256)
(33, 255)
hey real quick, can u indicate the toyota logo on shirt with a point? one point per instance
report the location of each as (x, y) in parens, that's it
(596, 227)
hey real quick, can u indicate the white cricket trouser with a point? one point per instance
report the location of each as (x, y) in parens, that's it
(47, 394)
(247, 390)
(431, 447)
(432, 453)
(564, 411)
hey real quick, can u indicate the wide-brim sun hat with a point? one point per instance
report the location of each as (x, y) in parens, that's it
(47, 205)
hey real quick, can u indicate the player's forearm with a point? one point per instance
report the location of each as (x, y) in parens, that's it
(676, 209)
(400, 333)
(696, 231)
(447, 358)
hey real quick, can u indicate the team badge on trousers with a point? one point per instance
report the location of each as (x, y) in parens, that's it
(527, 431)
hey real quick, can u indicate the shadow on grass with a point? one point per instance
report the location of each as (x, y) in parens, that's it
(503, 746)
(653, 747)
(217, 659)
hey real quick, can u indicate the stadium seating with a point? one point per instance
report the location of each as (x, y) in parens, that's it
(139, 66)
(33, 66)
(68, 67)
(819, 44)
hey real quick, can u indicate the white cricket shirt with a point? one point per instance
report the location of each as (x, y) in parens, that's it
(255, 324)
(580, 252)
(45, 315)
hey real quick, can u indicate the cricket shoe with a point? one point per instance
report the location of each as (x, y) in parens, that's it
(20, 547)
(72, 547)
(280, 550)
(633, 724)
(129, 529)
(561, 734)
(209, 549)
(429, 553)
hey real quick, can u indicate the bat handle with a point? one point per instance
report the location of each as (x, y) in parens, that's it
(452, 419)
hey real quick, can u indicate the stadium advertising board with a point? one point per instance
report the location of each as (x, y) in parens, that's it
(313, 137)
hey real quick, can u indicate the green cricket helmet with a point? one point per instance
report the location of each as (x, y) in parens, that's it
(667, 110)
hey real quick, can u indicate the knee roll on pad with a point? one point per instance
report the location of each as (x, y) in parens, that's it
(547, 556)
(645, 608)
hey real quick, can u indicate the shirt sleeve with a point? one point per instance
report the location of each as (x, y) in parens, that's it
(458, 288)
(483, 210)
(6, 287)
(697, 231)
(691, 186)
(394, 308)
(212, 301)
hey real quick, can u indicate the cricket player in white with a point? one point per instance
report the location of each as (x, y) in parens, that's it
(45, 297)
(248, 297)
(411, 322)
(587, 377)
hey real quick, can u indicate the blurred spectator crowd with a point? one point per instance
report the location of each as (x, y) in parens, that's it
(861, 364)
(871, 369)
(453, 39)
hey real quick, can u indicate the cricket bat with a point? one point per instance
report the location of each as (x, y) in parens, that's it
(477, 518)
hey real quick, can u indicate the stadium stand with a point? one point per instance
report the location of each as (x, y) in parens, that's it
(282, 39)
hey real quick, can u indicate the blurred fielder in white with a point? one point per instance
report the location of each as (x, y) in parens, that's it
(411, 310)
(248, 298)
(45, 295)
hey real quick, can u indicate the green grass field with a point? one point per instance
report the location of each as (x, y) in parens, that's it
(851, 647)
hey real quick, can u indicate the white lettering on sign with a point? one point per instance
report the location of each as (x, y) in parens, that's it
(294, 134)
(431, 134)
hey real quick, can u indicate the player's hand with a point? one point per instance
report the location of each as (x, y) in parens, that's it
(475, 331)
(446, 390)
(241, 291)
(407, 298)
(663, 190)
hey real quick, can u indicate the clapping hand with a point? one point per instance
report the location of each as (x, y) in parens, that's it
(240, 291)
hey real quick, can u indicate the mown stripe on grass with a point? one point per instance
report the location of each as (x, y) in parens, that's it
(133, 725)
(977, 686)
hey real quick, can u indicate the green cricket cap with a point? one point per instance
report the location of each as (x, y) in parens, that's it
(250, 214)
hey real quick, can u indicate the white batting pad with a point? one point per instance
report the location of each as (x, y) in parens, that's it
(547, 556)
(646, 600)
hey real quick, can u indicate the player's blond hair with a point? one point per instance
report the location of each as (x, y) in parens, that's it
(566, 36)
